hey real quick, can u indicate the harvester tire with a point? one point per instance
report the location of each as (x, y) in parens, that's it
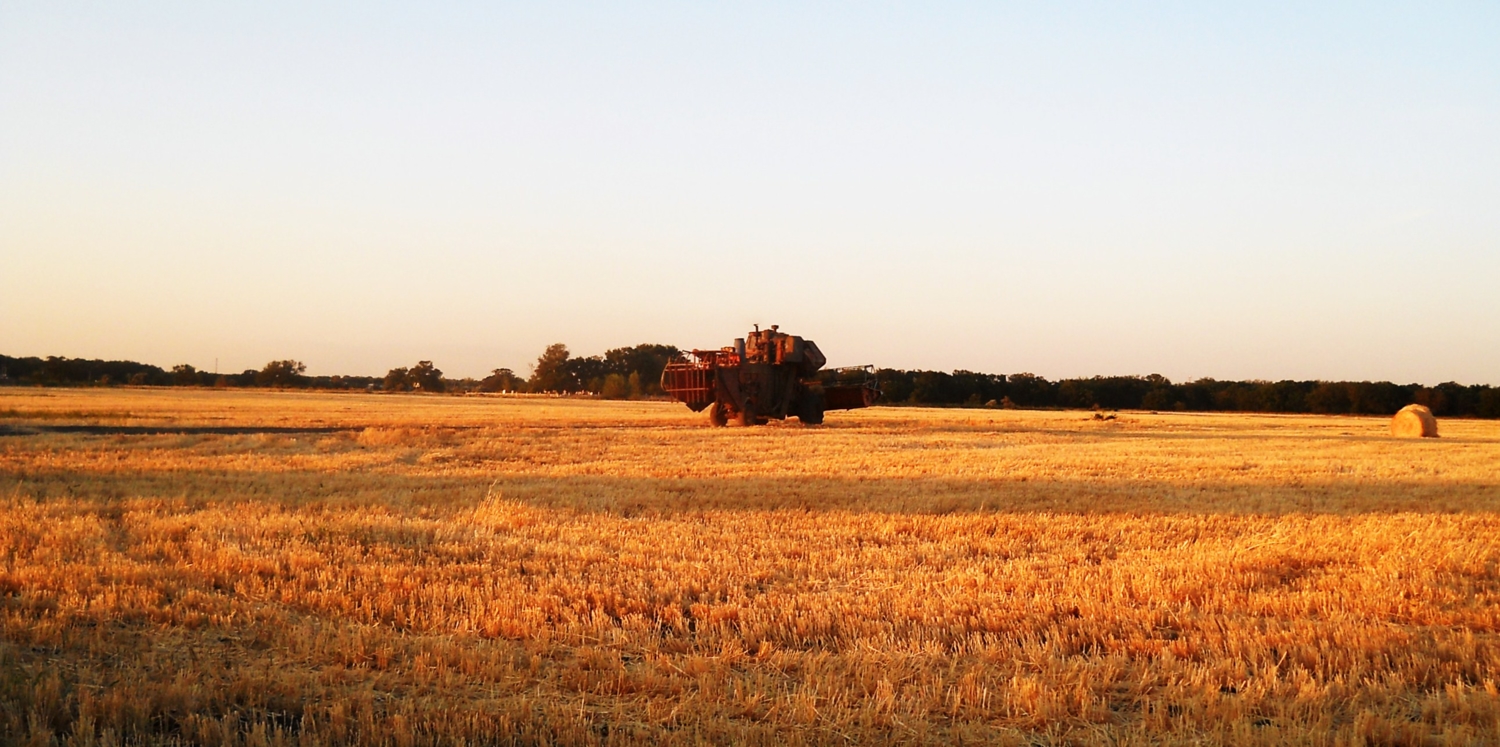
(716, 416)
(812, 410)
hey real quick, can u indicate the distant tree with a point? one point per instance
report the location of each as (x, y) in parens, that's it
(552, 373)
(287, 373)
(1076, 393)
(184, 375)
(588, 372)
(1454, 399)
(1487, 403)
(502, 380)
(933, 388)
(1030, 390)
(54, 370)
(1196, 395)
(425, 377)
(397, 380)
(1376, 398)
(1329, 397)
(895, 385)
(978, 388)
(1158, 398)
(646, 361)
(614, 387)
(1286, 396)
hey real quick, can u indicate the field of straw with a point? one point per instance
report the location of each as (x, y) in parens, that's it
(226, 567)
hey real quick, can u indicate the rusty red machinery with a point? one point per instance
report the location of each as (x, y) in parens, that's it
(765, 375)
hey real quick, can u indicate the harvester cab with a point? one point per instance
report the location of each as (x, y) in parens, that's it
(766, 374)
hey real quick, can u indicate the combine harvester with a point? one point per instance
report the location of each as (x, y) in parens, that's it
(767, 375)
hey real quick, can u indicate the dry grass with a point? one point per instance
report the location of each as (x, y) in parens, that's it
(258, 568)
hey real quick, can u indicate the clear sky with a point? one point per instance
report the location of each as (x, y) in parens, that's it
(1195, 189)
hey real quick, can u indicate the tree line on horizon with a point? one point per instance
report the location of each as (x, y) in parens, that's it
(620, 373)
(635, 372)
(1156, 392)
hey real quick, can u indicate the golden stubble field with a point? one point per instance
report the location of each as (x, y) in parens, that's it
(220, 567)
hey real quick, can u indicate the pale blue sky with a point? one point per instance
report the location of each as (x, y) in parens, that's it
(1269, 191)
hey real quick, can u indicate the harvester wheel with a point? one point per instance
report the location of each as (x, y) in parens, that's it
(812, 410)
(747, 417)
(716, 416)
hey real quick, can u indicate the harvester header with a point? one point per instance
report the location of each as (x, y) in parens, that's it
(766, 374)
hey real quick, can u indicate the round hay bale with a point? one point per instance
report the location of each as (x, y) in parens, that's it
(1414, 421)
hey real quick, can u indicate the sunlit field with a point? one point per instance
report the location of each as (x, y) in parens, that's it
(229, 567)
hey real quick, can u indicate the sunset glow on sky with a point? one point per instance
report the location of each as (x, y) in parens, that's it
(1268, 191)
